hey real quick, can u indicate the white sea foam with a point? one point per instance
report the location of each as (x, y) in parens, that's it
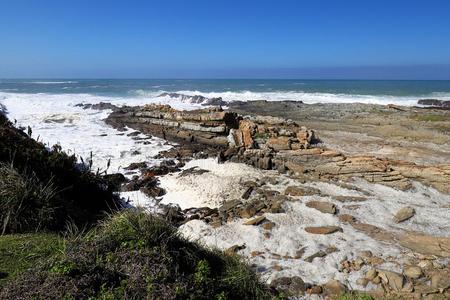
(289, 235)
(56, 120)
(305, 97)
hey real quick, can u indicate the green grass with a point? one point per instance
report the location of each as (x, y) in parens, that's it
(355, 296)
(432, 118)
(134, 255)
(19, 252)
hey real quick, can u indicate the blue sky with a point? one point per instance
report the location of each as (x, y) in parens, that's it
(225, 39)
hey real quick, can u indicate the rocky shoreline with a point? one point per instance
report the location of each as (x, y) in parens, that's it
(272, 137)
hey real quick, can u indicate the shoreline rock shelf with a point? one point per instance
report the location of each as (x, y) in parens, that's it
(272, 143)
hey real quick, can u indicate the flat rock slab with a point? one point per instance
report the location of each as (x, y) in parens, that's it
(323, 229)
(427, 244)
(349, 198)
(325, 207)
(301, 191)
(255, 221)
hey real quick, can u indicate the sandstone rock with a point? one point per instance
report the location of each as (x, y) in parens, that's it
(268, 225)
(255, 221)
(334, 287)
(371, 274)
(441, 279)
(323, 229)
(404, 214)
(413, 272)
(325, 207)
(315, 290)
(349, 198)
(426, 244)
(300, 191)
(362, 281)
(345, 218)
(394, 280)
(256, 253)
(293, 285)
(366, 253)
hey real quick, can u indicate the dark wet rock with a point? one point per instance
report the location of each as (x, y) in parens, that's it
(192, 171)
(292, 285)
(115, 180)
(247, 193)
(136, 166)
(315, 255)
(196, 99)
(98, 106)
(435, 103)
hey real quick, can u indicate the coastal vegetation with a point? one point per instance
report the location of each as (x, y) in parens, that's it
(65, 236)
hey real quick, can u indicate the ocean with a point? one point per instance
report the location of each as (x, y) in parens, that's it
(309, 91)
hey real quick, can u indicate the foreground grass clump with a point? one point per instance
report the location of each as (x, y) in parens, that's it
(134, 255)
(44, 189)
(22, 251)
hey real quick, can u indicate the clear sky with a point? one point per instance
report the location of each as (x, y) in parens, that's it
(225, 39)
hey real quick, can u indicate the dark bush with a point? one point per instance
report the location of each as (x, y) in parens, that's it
(45, 188)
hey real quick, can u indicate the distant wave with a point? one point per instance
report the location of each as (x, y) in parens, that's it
(51, 82)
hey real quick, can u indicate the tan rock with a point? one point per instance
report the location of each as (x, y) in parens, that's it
(349, 198)
(394, 280)
(427, 244)
(346, 218)
(413, 272)
(323, 229)
(404, 214)
(334, 287)
(371, 274)
(441, 279)
(300, 191)
(325, 207)
(268, 225)
(362, 281)
(255, 221)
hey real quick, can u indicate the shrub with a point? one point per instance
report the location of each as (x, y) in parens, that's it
(44, 189)
(134, 255)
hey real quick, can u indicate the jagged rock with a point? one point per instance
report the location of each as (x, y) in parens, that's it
(404, 214)
(247, 193)
(413, 272)
(371, 274)
(323, 229)
(394, 280)
(325, 207)
(293, 285)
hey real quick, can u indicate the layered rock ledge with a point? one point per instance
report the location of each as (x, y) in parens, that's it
(272, 143)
